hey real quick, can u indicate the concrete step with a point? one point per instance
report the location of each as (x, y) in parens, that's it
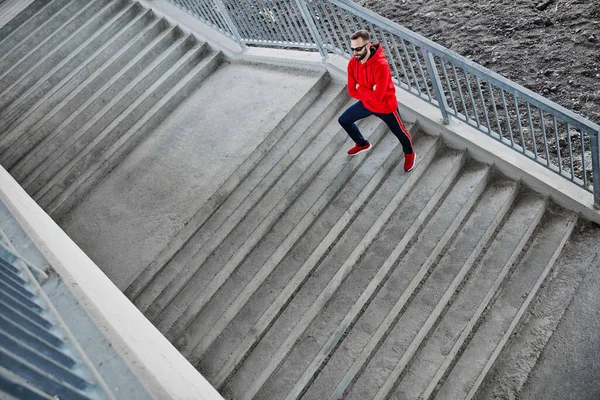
(513, 371)
(440, 350)
(406, 333)
(274, 346)
(57, 57)
(249, 182)
(53, 135)
(252, 254)
(248, 325)
(51, 34)
(499, 322)
(27, 23)
(64, 147)
(413, 255)
(307, 172)
(127, 131)
(80, 84)
(83, 102)
(13, 13)
(280, 241)
(31, 86)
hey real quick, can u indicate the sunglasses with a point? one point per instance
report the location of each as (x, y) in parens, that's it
(358, 48)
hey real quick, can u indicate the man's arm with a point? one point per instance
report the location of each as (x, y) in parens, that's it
(352, 84)
(382, 77)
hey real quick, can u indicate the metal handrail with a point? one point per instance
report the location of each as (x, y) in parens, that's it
(459, 87)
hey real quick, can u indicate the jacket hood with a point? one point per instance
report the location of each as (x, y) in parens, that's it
(377, 55)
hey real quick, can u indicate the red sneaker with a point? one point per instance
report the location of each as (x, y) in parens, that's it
(359, 149)
(409, 161)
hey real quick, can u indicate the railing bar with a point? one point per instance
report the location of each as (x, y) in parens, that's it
(399, 57)
(208, 14)
(303, 24)
(485, 112)
(505, 106)
(220, 18)
(285, 28)
(412, 70)
(582, 139)
(519, 122)
(544, 135)
(293, 18)
(493, 101)
(293, 22)
(285, 15)
(468, 83)
(595, 148)
(319, 8)
(418, 61)
(190, 8)
(355, 26)
(195, 10)
(445, 71)
(280, 15)
(348, 30)
(335, 41)
(339, 29)
(241, 23)
(262, 31)
(254, 23)
(531, 131)
(462, 97)
(268, 21)
(570, 150)
(557, 144)
(389, 54)
(255, 30)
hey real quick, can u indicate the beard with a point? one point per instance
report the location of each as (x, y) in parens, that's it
(362, 55)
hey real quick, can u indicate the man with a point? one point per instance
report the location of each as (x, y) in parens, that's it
(370, 81)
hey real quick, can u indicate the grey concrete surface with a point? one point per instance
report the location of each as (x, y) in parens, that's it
(126, 220)
(11, 8)
(569, 367)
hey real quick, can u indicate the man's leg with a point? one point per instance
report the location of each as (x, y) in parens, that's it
(395, 124)
(348, 121)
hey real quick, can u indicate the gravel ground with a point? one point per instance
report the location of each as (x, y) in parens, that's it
(549, 46)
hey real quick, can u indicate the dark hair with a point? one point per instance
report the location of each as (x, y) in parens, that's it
(363, 34)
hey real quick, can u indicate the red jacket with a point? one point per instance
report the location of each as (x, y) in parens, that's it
(373, 73)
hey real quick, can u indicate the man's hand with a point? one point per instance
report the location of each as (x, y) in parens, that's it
(374, 86)
(357, 85)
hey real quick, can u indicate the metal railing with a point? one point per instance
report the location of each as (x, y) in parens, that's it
(39, 356)
(547, 133)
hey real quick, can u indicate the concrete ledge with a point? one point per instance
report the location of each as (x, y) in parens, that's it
(161, 369)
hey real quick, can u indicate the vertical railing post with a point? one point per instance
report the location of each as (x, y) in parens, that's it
(596, 168)
(313, 28)
(437, 85)
(229, 21)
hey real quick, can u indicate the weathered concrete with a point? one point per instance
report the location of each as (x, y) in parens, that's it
(569, 368)
(157, 189)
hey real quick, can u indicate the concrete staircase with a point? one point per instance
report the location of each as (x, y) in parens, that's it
(306, 273)
(81, 84)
